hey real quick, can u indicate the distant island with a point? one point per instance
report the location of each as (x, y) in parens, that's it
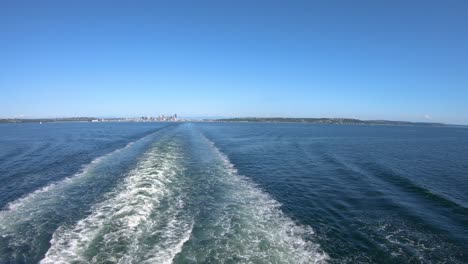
(46, 120)
(338, 121)
(160, 118)
(342, 121)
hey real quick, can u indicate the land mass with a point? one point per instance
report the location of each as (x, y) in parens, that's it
(343, 121)
(45, 120)
(347, 121)
(160, 118)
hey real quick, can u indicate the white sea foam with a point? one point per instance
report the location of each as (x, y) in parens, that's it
(159, 254)
(258, 230)
(121, 228)
(25, 200)
(26, 221)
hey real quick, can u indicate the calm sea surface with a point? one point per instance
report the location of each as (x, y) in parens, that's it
(232, 193)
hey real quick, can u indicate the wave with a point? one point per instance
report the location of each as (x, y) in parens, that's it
(83, 172)
(27, 223)
(401, 236)
(249, 225)
(124, 228)
(375, 173)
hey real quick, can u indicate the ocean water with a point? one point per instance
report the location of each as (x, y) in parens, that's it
(232, 193)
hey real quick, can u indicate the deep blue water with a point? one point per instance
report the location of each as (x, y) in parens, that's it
(232, 193)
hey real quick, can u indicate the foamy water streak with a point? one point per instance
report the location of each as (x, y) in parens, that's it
(247, 226)
(85, 171)
(27, 222)
(127, 227)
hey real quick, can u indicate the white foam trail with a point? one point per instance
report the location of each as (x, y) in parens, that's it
(162, 255)
(119, 228)
(27, 221)
(25, 200)
(261, 230)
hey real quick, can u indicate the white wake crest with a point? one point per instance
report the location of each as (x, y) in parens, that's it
(256, 229)
(127, 227)
(40, 194)
(26, 222)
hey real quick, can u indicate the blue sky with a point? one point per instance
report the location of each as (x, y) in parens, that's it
(399, 60)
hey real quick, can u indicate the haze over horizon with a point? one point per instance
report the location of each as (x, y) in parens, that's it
(367, 60)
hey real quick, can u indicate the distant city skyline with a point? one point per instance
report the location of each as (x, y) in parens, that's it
(398, 60)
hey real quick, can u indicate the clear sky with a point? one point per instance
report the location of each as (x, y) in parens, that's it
(399, 60)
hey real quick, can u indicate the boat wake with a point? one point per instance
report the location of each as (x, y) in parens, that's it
(183, 202)
(125, 228)
(27, 224)
(249, 224)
